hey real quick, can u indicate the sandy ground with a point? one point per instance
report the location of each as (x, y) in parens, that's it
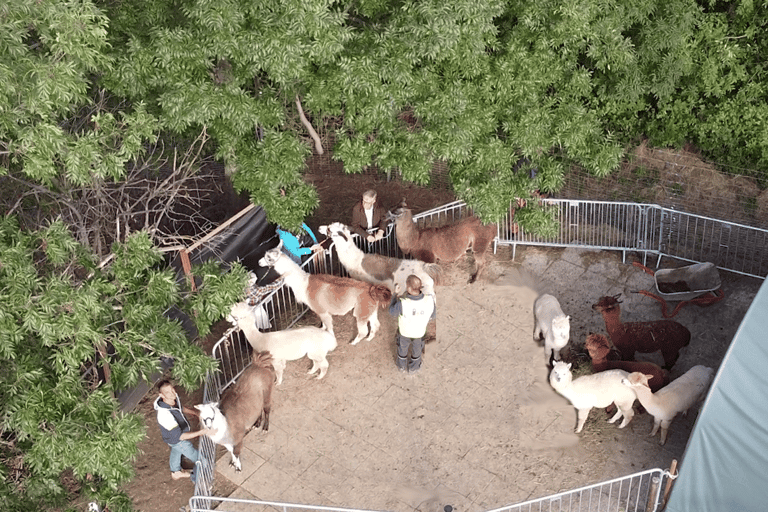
(479, 427)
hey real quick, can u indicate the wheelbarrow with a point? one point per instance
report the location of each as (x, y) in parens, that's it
(693, 284)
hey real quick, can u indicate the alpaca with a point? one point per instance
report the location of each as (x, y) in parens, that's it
(599, 348)
(329, 295)
(552, 323)
(245, 405)
(630, 337)
(597, 390)
(289, 345)
(378, 269)
(446, 243)
(678, 396)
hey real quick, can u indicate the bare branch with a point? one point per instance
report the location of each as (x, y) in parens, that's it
(308, 126)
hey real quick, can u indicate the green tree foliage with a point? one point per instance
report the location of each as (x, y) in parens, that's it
(53, 323)
(477, 84)
(66, 322)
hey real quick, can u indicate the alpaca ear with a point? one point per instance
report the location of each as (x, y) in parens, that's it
(569, 366)
(323, 230)
(649, 377)
(198, 407)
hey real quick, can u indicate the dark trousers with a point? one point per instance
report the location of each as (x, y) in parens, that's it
(417, 347)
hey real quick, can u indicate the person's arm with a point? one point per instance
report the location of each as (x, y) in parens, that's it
(382, 221)
(358, 223)
(309, 232)
(197, 433)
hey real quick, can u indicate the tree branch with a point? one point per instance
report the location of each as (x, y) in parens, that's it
(308, 126)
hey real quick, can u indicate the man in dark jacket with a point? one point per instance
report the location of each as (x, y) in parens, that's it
(368, 218)
(174, 428)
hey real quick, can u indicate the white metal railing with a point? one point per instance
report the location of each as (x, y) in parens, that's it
(640, 492)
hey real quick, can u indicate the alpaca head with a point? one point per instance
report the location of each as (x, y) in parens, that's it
(208, 413)
(271, 256)
(239, 312)
(336, 229)
(607, 303)
(561, 374)
(598, 346)
(637, 379)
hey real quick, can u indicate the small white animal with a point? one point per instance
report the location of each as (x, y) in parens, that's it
(677, 396)
(551, 323)
(288, 345)
(596, 390)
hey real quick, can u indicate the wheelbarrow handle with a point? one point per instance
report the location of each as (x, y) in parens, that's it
(640, 265)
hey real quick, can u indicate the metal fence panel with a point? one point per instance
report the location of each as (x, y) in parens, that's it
(640, 492)
(730, 246)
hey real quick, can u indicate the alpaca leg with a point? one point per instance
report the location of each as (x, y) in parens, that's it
(615, 416)
(628, 414)
(375, 324)
(664, 428)
(537, 332)
(322, 365)
(279, 366)
(362, 330)
(655, 429)
(582, 418)
(236, 456)
(235, 459)
(327, 320)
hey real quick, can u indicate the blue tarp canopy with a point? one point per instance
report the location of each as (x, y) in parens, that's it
(725, 465)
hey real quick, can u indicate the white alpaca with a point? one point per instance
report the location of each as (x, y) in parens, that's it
(596, 390)
(552, 323)
(378, 269)
(677, 396)
(289, 345)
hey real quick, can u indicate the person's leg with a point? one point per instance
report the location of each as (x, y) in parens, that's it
(190, 452)
(175, 461)
(402, 351)
(417, 347)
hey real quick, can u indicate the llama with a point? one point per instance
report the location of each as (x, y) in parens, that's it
(245, 405)
(596, 390)
(678, 396)
(552, 323)
(290, 345)
(599, 348)
(378, 269)
(444, 244)
(329, 295)
(630, 337)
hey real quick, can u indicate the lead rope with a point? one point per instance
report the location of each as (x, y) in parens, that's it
(705, 300)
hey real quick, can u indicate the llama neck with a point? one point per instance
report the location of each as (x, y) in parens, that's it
(612, 321)
(222, 435)
(406, 231)
(349, 254)
(646, 398)
(295, 278)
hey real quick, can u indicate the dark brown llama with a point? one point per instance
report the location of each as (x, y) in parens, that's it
(446, 243)
(603, 358)
(667, 336)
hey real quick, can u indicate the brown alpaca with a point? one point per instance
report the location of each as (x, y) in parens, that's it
(245, 405)
(630, 337)
(329, 295)
(444, 244)
(599, 348)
